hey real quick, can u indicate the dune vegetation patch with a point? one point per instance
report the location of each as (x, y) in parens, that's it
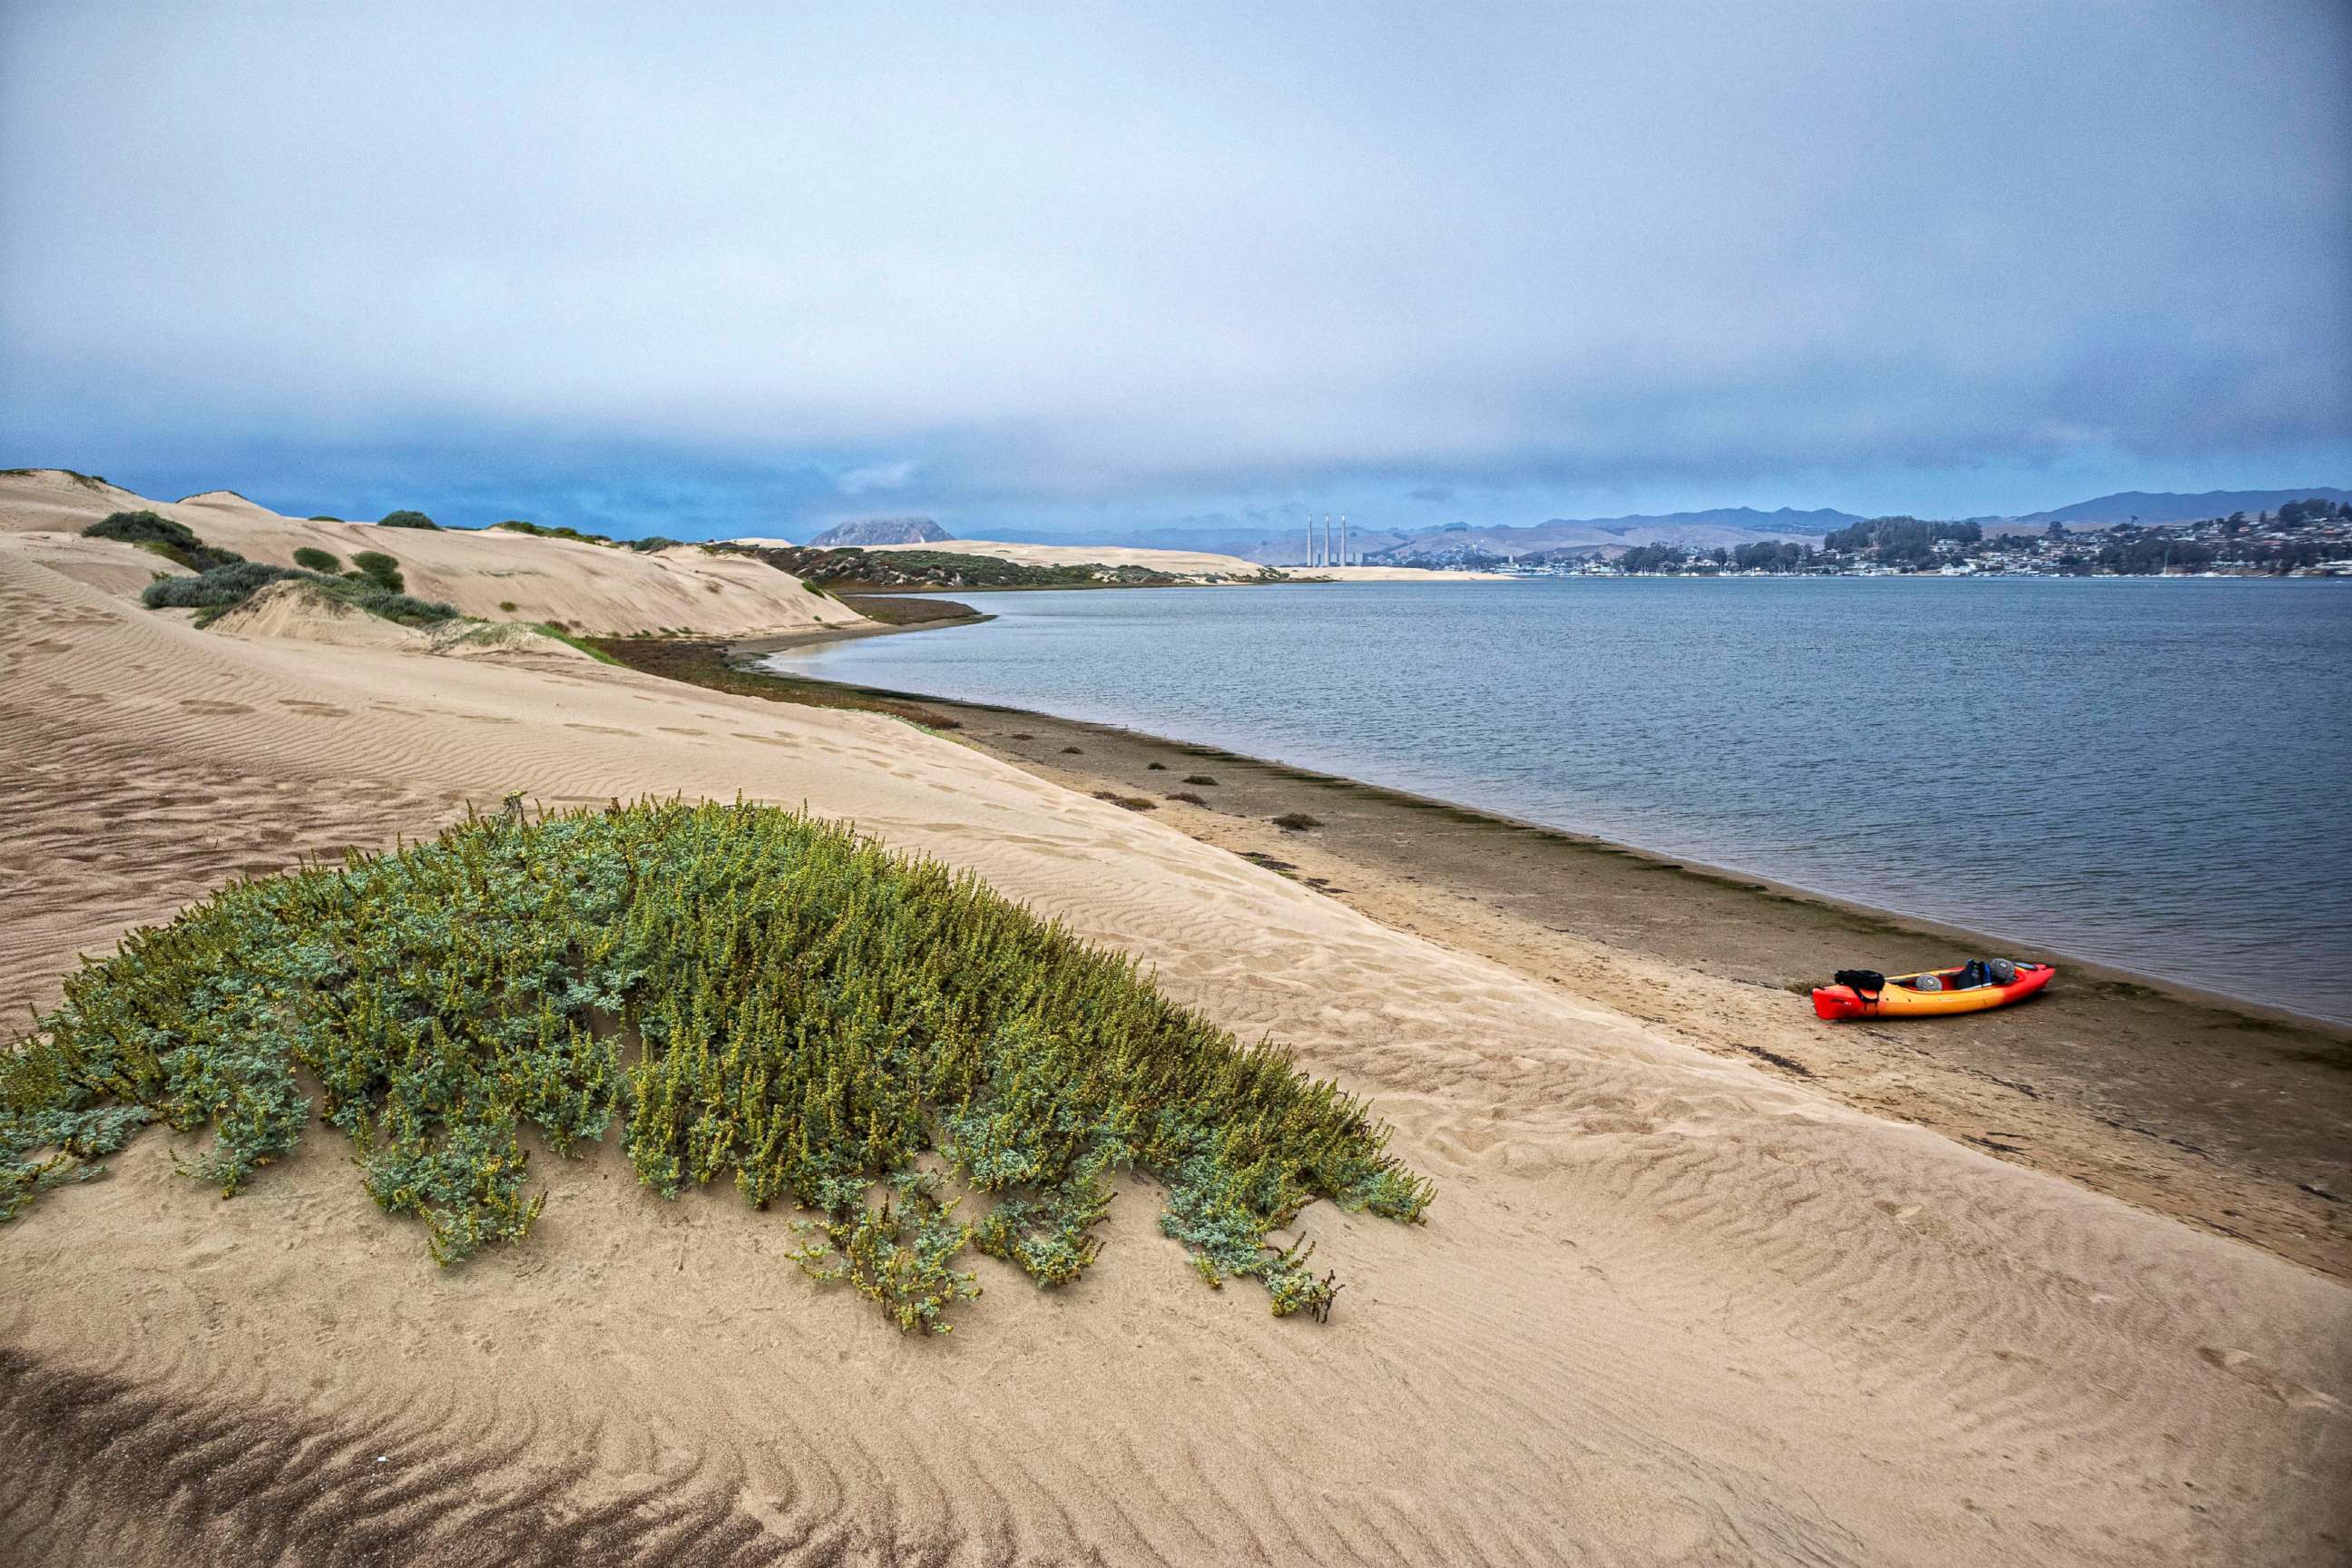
(737, 990)
(159, 535)
(213, 593)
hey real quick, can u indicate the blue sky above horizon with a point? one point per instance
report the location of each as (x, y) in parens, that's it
(713, 270)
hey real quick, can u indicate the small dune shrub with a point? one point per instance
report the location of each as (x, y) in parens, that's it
(652, 542)
(400, 607)
(1200, 779)
(405, 518)
(316, 560)
(322, 517)
(1189, 798)
(1155, 767)
(1296, 821)
(738, 990)
(1072, 752)
(1023, 735)
(540, 531)
(381, 570)
(508, 605)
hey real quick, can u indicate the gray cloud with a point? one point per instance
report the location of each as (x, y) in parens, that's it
(1075, 256)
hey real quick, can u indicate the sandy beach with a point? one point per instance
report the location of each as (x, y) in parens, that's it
(1677, 1300)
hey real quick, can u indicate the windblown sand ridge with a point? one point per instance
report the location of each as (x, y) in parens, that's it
(1666, 1309)
(589, 587)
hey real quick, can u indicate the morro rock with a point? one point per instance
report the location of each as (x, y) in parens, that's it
(882, 530)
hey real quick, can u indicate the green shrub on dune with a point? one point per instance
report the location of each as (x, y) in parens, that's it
(405, 518)
(312, 558)
(381, 570)
(742, 990)
(215, 593)
(221, 588)
(175, 542)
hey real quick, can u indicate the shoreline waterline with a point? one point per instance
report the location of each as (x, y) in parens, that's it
(1976, 938)
(2219, 1111)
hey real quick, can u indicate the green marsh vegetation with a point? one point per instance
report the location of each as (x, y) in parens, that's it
(738, 991)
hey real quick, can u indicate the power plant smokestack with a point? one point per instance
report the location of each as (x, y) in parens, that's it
(1343, 539)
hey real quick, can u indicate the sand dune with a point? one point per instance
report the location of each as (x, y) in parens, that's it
(1666, 1309)
(591, 589)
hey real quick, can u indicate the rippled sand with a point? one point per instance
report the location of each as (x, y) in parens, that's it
(1666, 1308)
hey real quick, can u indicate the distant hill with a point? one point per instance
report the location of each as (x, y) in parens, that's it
(1690, 530)
(881, 531)
(2153, 507)
(1727, 526)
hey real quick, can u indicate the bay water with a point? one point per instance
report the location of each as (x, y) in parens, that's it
(2150, 774)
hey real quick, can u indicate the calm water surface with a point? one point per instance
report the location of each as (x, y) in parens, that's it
(2153, 775)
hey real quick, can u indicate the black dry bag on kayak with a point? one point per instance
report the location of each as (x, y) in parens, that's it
(1863, 982)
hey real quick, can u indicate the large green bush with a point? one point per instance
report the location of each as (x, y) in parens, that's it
(175, 542)
(311, 558)
(742, 990)
(405, 518)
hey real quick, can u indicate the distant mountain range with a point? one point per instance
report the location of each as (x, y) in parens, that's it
(2150, 508)
(1727, 526)
(882, 530)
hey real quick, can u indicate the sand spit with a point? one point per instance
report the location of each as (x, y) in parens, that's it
(1200, 565)
(1667, 1308)
(591, 589)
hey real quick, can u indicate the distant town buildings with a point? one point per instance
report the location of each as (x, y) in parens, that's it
(2301, 539)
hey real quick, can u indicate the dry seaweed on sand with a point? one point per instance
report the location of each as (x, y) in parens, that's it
(742, 992)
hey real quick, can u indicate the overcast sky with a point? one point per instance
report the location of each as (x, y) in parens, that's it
(705, 270)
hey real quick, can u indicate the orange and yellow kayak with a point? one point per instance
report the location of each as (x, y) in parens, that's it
(1903, 996)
